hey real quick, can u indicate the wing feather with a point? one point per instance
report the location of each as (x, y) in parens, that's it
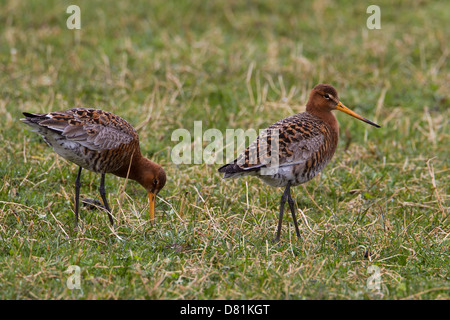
(288, 142)
(91, 128)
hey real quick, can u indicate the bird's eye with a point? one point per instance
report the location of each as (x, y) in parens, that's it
(326, 96)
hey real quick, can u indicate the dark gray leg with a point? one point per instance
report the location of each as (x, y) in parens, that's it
(103, 195)
(291, 205)
(77, 195)
(284, 197)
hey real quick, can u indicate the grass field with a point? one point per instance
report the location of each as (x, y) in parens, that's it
(378, 212)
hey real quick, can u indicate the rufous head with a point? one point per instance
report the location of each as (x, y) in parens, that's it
(324, 98)
(153, 178)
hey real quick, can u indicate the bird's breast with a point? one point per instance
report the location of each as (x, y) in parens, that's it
(298, 171)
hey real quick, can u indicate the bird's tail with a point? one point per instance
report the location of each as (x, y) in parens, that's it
(232, 170)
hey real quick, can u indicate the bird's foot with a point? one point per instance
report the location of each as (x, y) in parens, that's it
(92, 204)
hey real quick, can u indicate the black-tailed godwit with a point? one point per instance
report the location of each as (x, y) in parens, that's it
(102, 142)
(304, 142)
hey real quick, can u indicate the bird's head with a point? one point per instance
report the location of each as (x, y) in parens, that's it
(324, 98)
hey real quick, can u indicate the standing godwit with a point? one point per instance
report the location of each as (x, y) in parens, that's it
(102, 142)
(304, 142)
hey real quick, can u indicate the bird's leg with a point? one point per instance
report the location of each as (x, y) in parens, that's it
(77, 195)
(284, 197)
(291, 205)
(103, 195)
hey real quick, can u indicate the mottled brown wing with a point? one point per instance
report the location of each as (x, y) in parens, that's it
(287, 142)
(91, 128)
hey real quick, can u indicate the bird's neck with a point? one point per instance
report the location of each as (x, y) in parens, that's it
(139, 170)
(131, 168)
(328, 117)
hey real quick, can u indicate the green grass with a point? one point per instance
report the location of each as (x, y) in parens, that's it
(382, 201)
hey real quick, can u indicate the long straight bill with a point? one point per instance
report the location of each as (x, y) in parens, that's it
(343, 108)
(151, 202)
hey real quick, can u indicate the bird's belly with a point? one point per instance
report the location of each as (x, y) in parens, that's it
(278, 177)
(69, 150)
(73, 155)
(295, 174)
(97, 161)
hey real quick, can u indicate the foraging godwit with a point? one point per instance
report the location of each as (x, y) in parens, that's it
(304, 142)
(102, 142)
